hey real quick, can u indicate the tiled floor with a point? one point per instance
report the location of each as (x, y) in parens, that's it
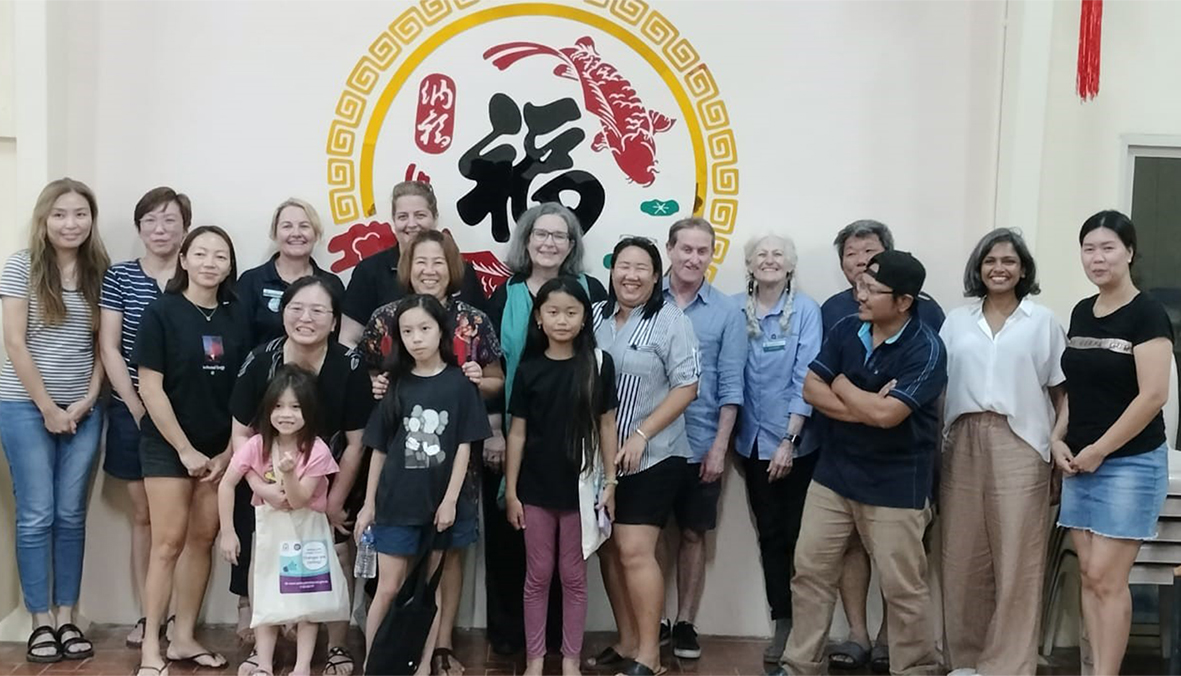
(719, 656)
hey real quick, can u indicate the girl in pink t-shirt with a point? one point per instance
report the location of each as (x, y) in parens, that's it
(287, 465)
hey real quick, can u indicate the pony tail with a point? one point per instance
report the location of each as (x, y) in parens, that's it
(752, 314)
(785, 318)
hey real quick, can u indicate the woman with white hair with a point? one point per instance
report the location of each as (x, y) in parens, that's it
(784, 328)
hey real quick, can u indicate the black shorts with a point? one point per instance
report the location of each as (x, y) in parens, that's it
(647, 498)
(157, 458)
(696, 506)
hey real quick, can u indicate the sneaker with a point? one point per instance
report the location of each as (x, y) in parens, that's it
(666, 632)
(685, 645)
(774, 652)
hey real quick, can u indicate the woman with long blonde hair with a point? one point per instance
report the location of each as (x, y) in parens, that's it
(50, 416)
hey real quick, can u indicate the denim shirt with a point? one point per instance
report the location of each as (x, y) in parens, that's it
(776, 365)
(720, 328)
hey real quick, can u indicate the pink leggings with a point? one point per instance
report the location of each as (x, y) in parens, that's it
(547, 530)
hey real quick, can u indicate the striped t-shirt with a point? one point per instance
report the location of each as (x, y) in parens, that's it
(64, 354)
(652, 357)
(129, 290)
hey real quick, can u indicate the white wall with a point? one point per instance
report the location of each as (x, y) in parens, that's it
(841, 111)
(1082, 162)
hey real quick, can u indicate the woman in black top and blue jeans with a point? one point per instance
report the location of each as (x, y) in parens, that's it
(1110, 439)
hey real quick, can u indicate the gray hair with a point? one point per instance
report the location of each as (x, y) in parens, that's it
(692, 222)
(791, 259)
(517, 259)
(863, 228)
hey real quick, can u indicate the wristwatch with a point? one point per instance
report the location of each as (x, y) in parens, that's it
(793, 439)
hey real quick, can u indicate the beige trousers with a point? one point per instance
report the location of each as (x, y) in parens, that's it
(994, 500)
(894, 539)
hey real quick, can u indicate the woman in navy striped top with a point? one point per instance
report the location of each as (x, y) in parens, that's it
(162, 218)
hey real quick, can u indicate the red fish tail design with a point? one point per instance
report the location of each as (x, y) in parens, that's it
(628, 127)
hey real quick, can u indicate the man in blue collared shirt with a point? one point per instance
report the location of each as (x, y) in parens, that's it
(720, 328)
(878, 378)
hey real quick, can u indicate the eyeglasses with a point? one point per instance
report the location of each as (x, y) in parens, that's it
(317, 312)
(556, 235)
(862, 287)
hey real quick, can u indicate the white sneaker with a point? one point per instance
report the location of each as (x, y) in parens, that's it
(965, 671)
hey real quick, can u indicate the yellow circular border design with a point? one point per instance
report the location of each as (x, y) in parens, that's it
(715, 152)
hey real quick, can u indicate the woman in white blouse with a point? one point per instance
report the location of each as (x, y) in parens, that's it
(1004, 384)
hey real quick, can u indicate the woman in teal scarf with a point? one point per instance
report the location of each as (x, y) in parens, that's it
(547, 242)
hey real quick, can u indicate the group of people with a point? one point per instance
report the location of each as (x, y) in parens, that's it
(578, 418)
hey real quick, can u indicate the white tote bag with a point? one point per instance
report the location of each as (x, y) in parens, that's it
(297, 575)
(596, 527)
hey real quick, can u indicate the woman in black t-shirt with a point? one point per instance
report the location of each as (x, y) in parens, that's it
(1110, 439)
(191, 342)
(295, 230)
(310, 311)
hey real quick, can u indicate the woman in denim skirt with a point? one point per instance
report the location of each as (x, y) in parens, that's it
(1110, 439)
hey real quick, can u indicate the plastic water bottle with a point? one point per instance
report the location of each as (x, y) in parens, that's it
(366, 566)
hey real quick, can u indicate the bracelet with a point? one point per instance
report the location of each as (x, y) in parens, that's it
(640, 432)
(611, 482)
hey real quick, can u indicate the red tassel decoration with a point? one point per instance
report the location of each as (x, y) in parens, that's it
(1089, 29)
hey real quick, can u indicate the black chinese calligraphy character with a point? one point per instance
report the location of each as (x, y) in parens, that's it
(502, 187)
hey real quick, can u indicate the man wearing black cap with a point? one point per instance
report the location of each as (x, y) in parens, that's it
(878, 378)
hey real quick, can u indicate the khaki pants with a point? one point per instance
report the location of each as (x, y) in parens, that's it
(994, 501)
(894, 539)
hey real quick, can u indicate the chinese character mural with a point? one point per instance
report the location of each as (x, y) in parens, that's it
(604, 107)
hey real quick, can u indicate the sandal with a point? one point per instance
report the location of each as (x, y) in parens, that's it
(441, 663)
(608, 658)
(848, 656)
(51, 641)
(77, 639)
(134, 641)
(338, 657)
(160, 671)
(166, 628)
(211, 660)
(641, 669)
(879, 659)
(249, 665)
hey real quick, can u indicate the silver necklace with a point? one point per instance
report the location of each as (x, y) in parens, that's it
(208, 314)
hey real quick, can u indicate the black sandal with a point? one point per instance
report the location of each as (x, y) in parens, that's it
(337, 658)
(608, 658)
(142, 625)
(441, 662)
(77, 639)
(35, 644)
(641, 669)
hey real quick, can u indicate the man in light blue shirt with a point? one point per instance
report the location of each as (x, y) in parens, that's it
(720, 328)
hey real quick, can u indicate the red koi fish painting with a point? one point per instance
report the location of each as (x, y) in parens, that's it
(628, 128)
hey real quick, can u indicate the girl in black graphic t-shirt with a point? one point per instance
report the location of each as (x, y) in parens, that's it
(191, 342)
(421, 435)
(1110, 439)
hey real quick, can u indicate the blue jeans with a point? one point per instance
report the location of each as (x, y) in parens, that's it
(50, 477)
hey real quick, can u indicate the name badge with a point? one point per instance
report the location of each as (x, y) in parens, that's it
(273, 297)
(774, 345)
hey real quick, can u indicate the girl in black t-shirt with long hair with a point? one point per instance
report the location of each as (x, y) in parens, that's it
(563, 414)
(421, 435)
